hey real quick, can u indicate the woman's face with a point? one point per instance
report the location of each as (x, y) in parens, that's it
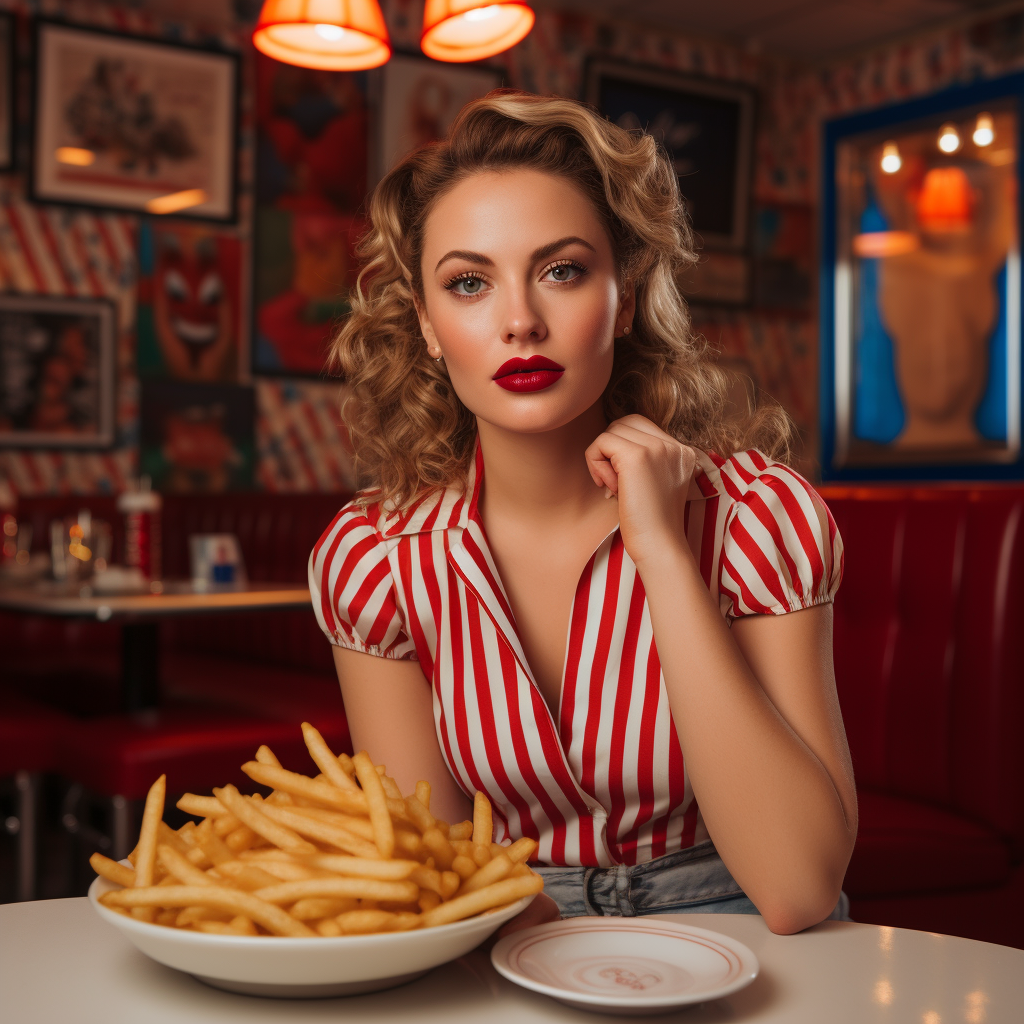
(522, 298)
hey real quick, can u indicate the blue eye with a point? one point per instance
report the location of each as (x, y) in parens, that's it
(468, 284)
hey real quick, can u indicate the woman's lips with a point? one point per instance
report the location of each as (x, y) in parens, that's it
(533, 374)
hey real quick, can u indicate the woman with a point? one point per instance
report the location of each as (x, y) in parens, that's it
(617, 675)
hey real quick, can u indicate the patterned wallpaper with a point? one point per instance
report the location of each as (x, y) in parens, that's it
(299, 437)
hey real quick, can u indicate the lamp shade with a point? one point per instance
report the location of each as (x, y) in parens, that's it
(463, 30)
(333, 35)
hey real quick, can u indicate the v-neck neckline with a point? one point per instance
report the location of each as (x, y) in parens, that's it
(474, 515)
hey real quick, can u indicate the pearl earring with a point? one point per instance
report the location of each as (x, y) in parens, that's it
(625, 330)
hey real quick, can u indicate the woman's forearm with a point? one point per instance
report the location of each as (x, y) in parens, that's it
(770, 805)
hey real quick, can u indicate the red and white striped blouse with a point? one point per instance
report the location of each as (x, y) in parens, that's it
(605, 784)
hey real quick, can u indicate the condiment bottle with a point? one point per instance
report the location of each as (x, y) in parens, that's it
(141, 508)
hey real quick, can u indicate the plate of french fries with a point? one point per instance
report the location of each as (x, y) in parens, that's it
(328, 885)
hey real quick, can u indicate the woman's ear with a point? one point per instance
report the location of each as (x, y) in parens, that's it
(425, 328)
(627, 308)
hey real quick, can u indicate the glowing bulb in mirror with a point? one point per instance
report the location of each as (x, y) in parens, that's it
(949, 138)
(891, 160)
(984, 131)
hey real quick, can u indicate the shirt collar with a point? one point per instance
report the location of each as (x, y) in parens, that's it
(452, 507)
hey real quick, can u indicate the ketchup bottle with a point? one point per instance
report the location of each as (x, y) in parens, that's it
(141, 506)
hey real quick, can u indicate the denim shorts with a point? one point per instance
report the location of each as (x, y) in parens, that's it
(694, 880)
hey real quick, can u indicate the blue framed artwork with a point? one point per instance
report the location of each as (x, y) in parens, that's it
(921, 369)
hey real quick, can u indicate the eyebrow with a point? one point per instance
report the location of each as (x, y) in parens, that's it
(538, 254)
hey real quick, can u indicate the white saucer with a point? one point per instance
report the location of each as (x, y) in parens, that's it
(637, 965)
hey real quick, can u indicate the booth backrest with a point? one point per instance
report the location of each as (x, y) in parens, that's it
(929, 645)
(276, 533)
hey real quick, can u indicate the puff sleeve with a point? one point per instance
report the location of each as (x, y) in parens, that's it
(781, 550)
(353, 590)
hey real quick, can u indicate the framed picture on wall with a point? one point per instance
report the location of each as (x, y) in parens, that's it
(921, 356)
(707, 128)
(6, 91)
(197, 437)
(419, 99)
(128, 123)
(57, 372)
(312, 154)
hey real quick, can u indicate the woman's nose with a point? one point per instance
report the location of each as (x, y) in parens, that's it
(523, 321)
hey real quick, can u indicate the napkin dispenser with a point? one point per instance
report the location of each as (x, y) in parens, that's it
(216, 560)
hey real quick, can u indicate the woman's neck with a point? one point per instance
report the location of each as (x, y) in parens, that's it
(542, 475)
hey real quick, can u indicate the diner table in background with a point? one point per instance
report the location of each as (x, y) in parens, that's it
(140, 613)
(60, 961)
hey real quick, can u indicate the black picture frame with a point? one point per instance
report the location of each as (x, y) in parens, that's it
(72, 344)
(707, 128)
(215, 76)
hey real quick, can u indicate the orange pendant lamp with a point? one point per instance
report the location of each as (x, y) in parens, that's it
(463, 30)
(332, 35)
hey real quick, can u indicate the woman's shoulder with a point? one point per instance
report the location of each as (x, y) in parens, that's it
(747, 475)
(781, 548)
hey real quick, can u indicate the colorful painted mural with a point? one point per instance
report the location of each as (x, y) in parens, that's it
(299, 440)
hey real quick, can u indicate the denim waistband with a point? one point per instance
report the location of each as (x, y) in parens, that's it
(685, 878)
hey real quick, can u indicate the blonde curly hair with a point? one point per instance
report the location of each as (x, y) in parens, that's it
(410, 432)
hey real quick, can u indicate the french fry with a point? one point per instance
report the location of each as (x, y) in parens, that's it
(299, 785)
(201, 806)
(391, 789)
(269, 916)
(255, 818)
(498, 894)
(494, 871)
(313, 828)
(112, 871)
(357, 867)
(440, 848)
(362, 888)
(242, 838)
(329, 928)
(427, 878)
(192, 915)
(423, 793)
(266, 756)
(325, 760)
(521, 850)
(314, 907)
(483, 824)
(421, 817)
(465, 867)
(363, 922)
(450, 882)
(377, 804)
(246, 876)
(152, 818)
(216, 850)
(428, 900)
(463, 830)
(176, 865)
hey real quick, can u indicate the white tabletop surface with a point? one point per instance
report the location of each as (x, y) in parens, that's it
(176, 598)
(60, 963)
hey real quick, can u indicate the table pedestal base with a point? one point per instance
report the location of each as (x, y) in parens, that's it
(140, 666)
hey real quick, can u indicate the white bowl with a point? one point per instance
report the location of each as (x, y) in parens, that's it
(305, 968)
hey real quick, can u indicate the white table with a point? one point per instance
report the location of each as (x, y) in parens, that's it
(59, 963)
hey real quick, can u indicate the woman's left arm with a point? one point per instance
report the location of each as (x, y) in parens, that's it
(755, 707)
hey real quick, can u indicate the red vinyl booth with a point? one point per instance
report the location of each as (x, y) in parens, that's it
(929, 656)
(929, 653)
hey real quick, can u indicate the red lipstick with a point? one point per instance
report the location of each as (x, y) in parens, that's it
(533, 374)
